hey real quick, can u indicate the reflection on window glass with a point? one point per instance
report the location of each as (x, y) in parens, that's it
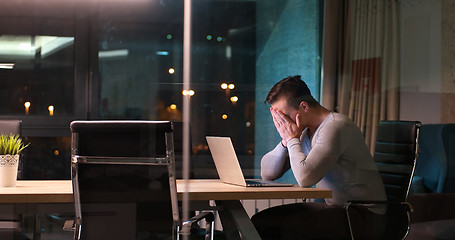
(140, 60)
(239, 49)
(130, 62)
(46, 158)
(140, 69)
(37, 75)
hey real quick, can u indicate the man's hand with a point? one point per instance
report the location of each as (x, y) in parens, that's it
(286, 127)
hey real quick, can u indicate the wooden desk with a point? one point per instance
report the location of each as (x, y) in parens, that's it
(60, 191)
(214, 189)
(39, 191)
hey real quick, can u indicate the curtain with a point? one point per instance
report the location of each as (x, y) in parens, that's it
(366, 75)
(335, 64)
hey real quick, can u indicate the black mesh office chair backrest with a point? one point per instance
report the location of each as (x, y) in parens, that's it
(124, 179)
(396, 152)
(395, 155)
(120, 138)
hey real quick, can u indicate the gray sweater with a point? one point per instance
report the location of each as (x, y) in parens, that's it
(336, 157)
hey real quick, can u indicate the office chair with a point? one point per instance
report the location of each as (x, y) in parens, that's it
(395, 155)
(123, 177)
(435, 171)
(433, 187)
(10, 225)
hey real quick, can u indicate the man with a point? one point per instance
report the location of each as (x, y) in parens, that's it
(324, 148)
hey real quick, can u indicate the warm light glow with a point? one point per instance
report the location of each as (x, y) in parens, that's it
(224, 86)
(56, 152)
(231, 86)
(171, 71)
(51, 110)
(188, 92)
(224, 116)
(234, 99)
(27, 107)
(173, 106)
(248, 124)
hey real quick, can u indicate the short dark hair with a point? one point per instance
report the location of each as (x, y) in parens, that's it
(294, 90)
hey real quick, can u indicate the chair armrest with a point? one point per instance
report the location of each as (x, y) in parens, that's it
(397, 217)
(208, 216)
(407, 205)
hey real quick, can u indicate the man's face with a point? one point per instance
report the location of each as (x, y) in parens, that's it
(282, 105)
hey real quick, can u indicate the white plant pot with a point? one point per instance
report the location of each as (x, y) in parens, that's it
(8, 170)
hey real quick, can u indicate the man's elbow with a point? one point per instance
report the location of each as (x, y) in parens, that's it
(306, 182)
(268, 175)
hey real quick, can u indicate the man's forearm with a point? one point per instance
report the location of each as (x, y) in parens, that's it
(273, 163)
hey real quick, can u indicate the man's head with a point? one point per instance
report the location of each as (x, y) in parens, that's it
(293, 90)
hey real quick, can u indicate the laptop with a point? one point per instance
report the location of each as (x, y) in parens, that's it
(228, 167)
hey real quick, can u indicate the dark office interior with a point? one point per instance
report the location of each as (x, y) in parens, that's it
(67, 60)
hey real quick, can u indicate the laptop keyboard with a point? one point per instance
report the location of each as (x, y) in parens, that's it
(253, 183)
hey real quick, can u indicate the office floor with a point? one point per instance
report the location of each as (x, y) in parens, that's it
(52, 229)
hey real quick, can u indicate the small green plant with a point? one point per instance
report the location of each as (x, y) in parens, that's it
(11, 144)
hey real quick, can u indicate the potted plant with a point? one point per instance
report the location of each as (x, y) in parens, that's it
(10, 148)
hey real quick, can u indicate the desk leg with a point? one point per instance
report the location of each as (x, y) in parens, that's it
(234, 217)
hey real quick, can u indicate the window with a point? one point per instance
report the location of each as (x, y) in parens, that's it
(124, 60)
(39, 72)
(239, 50)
